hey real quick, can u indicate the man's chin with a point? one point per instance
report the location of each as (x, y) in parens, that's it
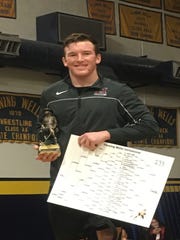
(81, 73)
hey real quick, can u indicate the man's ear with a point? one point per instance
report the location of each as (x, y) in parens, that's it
(98, 58)
(64, 61)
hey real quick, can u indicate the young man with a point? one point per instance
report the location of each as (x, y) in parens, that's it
(95, 108)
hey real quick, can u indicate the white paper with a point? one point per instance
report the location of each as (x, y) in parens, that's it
(113, 181)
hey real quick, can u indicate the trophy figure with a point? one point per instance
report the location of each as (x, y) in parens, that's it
(47, 134)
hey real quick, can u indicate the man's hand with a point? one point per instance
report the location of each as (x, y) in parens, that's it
(91, 140)
(46, 157)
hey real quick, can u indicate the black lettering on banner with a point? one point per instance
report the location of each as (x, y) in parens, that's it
(167, 119)
(140, 24)
(18, 116)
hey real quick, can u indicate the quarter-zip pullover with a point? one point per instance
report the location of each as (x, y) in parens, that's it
(106, 105)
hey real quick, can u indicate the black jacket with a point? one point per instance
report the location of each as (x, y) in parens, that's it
(106, 105)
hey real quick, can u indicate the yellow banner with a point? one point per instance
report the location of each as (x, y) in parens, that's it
(148, 3)
(140, 24)
(104, 11)
(8, 8)
(172, 25)
(172, 5)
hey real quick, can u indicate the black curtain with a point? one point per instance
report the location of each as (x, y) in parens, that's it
(169, 211)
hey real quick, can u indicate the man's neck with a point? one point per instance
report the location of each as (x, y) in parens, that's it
(84, 81)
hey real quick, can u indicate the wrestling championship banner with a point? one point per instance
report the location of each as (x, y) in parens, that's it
(148, 3)
(104, 11)
(18, 117)
(140, 24)
(167, 120)
(8, 8)
(172, 31)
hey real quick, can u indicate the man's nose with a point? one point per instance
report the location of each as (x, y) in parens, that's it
(80, 57)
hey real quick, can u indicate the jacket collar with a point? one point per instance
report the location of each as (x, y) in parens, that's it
(97, 85)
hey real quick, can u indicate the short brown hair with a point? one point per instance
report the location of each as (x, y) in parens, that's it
(80, 37)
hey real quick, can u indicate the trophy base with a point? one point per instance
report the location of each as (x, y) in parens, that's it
(50, 148)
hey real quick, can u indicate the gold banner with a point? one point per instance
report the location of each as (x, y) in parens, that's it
(172, 5)
(172, 25)
(104, 11)
(140, 24)
(8, 8)
(148, 3)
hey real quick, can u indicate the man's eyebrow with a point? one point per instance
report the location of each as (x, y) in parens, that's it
(72, 52)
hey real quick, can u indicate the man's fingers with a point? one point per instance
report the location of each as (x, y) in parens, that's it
(47, 157)
(36, 147)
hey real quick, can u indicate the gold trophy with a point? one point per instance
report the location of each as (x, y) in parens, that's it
(47, 134)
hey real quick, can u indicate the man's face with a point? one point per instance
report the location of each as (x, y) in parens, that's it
(81, 59)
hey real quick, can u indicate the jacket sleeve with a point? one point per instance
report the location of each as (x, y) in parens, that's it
(140, 123)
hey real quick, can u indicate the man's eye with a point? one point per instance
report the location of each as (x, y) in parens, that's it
(72, 55)
(87, 53)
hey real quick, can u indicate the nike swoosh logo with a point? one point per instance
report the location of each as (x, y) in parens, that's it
(59, 93)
